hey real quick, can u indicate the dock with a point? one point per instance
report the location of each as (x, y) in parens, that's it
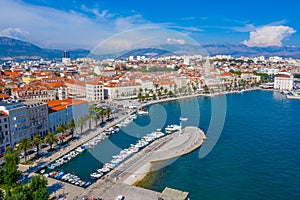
(176, 194)
(164, 150)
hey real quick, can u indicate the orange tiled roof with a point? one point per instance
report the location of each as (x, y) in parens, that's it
(226, 74)
(4, 96)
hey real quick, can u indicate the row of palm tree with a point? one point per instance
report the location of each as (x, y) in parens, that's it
(51, 138)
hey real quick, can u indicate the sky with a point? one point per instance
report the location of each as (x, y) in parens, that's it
(67, 24)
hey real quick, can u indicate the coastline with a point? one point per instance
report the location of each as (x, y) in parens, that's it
(167, 153)
(88, 135)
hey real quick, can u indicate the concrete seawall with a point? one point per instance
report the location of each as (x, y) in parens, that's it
(168, 148)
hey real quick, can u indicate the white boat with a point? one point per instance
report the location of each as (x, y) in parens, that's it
(80, 149)
(183, 118)
(96, 175)
(133, 116)
(142, 112)
(172, 128)
(293, 96)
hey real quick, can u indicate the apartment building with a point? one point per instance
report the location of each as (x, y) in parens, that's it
(37, 114)
(4, 132)
(18, 120)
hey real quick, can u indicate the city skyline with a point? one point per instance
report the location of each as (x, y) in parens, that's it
(83, 24)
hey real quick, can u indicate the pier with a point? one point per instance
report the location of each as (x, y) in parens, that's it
(164, 150)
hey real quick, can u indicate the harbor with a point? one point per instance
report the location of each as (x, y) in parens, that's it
(120, 180)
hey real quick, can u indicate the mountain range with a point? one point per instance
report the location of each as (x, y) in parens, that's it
(17, 50)
(13, 49)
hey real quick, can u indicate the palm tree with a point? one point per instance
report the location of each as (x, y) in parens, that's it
(37, 141)
(61, 129)
(156, 86)
(51, 139)
(24, 145)
(175, 90)
(72, 126)
(108, 112)
(134, 91)
(80, 122)
(139, 96)
(154, 96)
(166, 91)
(161, 88)
(91, 113)
(102, 114)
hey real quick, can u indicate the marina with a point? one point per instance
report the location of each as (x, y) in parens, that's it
(137, 166)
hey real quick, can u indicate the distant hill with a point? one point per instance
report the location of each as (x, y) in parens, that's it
(13, 49)
(238, 50)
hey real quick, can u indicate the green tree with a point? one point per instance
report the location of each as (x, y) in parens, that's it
(61, 129)
(20, 192)
(108, 112)
(102, 114)
(156, 86)
(40, 194)
(72, 126)
(206, 89)
(139, 96)
(38, 182)
(24, 145)
(37, 141)
(170, 93)
(166, 91)
(154, 97)
(10, 171)
(51, 139)
(80, 122)
(91, 114)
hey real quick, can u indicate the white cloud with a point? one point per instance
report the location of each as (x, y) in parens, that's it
(175, 41)
(16, 33)
(54, 28)
(269, 35)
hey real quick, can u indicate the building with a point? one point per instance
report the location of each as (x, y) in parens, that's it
(4, 132)
(62, 111)
(34, 93)
(76, 89)
(37, 114)
(283, 82)
(94, 91)
(66, 58)
(115, 90)
(18, 120)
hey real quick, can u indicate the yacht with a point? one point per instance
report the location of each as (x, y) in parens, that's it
(172, 128)
(183, 118)
(142, 112)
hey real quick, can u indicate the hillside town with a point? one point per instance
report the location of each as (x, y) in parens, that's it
(39, 96)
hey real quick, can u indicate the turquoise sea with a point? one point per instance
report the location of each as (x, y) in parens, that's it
(257, 155)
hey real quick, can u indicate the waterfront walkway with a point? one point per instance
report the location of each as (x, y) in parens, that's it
(120, 180)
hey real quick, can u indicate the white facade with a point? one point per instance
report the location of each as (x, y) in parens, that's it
(283, 83)
(37, 114)
(94, 92)
(122, 91)
(4, 132)
(18, 120)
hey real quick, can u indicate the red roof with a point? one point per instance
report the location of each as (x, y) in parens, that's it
(4, 96)
(226, 74)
